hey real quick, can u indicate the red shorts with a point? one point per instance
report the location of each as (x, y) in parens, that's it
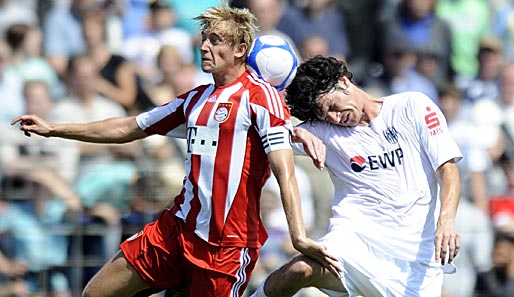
(167, 254)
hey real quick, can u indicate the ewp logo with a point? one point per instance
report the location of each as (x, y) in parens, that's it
(357, 163)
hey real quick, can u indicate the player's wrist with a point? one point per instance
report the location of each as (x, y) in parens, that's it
(299, 242)
(52, 131)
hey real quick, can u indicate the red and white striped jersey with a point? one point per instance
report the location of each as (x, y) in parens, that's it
(229, 130)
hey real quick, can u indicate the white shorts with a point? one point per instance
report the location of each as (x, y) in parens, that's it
(369, 272)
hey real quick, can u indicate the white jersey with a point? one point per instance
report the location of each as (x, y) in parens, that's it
(384, 174)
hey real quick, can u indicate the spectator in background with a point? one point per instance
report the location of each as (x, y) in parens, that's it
(27, 61)
(186, 11)
(276, 217)
(313, 46)
(188, 77)
(472, 220)
(503, 28)
(117, 80)
(16, 12)
(468, 20)
(499, 281)
(485, 84)
(169, 64)
(105, 171)
(506, 96)
(427, 64)
(320, 18)
(37, 249)
(47, 167)
(488, 134)
(502, 205)
(399, 73)
(11, 98)
(362, 26)
(143, 48)
(149, 199)
(476, 246)
(175, 76)
(20, 155)
(278, 249)
(163, 174)
(477, 161)
(85, 104)
(105, 193)
(496, 130)
(425, 31)
(63, 33)
(134, 17)
(268, 14)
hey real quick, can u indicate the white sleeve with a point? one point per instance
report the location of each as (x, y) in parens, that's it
(432, 129)
(171, 112)
(312, 127)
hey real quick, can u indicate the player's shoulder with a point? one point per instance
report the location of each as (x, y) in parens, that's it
(257, 85)
(408, 96)
(321, 129)
(406, 100)
(198, 90)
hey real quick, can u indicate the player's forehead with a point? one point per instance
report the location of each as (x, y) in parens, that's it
(323, 103)
(326, 98)
(219, 29)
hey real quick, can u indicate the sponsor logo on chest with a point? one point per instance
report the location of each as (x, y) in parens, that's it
(375, 162)
(387, 159)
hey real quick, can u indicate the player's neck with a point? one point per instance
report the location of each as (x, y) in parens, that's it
(225, 78)
(371, 109)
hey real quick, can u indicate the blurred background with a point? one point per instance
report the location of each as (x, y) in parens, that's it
(65, 206)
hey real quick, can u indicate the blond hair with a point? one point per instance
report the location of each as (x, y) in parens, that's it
(237, 24)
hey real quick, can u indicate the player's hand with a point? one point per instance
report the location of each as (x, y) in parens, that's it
(312, 145)
(447, 241)
(319, 253)
(32, 124)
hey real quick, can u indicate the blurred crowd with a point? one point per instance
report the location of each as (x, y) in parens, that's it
(65, 205)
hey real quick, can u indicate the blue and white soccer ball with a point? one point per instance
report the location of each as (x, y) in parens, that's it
(273, 59)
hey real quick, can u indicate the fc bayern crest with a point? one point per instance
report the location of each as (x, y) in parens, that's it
(222, 112)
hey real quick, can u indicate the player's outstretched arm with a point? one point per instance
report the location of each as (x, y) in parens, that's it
(282, 165)
(447, 240)
(112, 130)
(313, 146)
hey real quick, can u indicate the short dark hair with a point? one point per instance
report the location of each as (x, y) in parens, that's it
(15, 35)
(314, 77)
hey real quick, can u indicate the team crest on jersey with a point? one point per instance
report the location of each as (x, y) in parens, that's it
(358, 163)
(222, 112)
(391, 135)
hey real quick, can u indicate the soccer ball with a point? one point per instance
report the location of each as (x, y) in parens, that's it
(273, 59)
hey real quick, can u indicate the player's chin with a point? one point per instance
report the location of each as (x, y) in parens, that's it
(207, 67)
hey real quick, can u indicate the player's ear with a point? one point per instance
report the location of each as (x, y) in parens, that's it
(241, 50)
(344, 81)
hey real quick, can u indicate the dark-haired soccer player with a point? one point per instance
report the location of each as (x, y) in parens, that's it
(392, 161)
